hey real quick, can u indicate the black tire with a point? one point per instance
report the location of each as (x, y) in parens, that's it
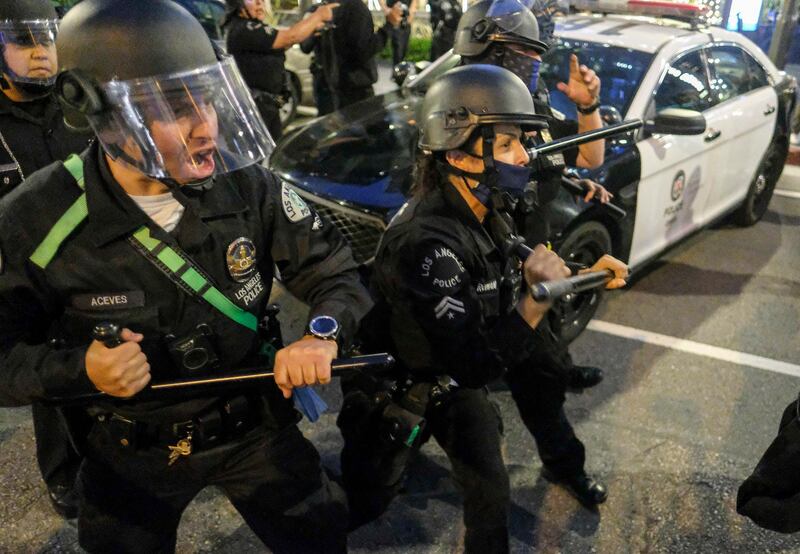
(585, 244)
(755, 204)
(291, 98)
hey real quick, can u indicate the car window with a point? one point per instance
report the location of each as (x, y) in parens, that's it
(620, 71)
(729, 73)
(758, 75)
(685, 85)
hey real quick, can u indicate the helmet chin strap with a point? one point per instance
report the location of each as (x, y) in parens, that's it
(201, 185)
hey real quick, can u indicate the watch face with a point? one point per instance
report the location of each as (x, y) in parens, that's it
(323, 325)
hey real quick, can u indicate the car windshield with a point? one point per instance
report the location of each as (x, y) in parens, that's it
(620, 71)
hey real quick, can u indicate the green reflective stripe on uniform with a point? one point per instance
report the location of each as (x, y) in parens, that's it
(63, 228)
(194, 280)
(68, 222)
(74, 164)
(231, 310)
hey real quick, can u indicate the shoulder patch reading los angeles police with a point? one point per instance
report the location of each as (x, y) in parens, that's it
(441, 270)
(294, 207)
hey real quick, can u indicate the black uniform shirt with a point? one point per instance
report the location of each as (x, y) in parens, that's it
(33, 135)
(250, 42)
(97, 275)
(356, 44)
(441, 277)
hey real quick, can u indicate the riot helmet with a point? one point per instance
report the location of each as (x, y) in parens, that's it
(156, 91)
(497, 22)
(471, 100)
(28, 31)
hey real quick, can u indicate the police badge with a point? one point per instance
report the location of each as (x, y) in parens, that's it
(241, 259)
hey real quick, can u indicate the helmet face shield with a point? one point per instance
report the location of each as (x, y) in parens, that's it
(186, 127)
(29, 50)
(507, 14)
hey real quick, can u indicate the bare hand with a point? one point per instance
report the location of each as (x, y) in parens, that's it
(395, 15)
(325, 12)
(595, 190)
(305, 362)
(544, 265)
(122, 371)
(614, 265)
(584, 84)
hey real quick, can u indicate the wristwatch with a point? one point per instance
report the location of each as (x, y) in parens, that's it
(323, 327)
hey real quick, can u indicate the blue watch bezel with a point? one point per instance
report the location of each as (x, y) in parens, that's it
(329, 333)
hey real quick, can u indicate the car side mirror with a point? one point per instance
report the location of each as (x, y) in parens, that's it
(403, 71)
(610, 115)
(677, 121)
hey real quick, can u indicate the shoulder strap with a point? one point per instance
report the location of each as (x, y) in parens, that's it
(68, 222)
(181, 270)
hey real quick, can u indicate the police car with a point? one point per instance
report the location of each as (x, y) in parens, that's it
(723, 155)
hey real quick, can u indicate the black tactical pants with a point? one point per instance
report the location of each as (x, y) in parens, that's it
(346, 96)
(132, 501)
(58, 460)
(400, 37)
(271, 115)
(538, 387)
(468, 428)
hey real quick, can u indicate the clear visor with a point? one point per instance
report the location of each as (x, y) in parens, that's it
(508, 14)
(29, 50)
(187, 127)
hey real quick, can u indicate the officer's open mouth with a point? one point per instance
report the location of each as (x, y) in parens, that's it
(203, 160)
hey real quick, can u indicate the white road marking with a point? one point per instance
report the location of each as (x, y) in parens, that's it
(787, 193)
(697, 348)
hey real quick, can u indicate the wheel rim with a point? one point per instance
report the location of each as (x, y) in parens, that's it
(286, 110)
(765, 182)
(572, 309)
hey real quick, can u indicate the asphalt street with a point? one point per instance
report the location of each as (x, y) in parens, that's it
(691, 399)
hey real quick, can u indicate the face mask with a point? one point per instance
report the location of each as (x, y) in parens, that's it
(524, 67)
(512, 178)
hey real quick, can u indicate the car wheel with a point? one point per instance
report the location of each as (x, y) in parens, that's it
(585, 245)
(755, 204)
(291, 99)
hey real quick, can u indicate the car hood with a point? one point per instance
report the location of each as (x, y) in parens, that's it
(362, 155)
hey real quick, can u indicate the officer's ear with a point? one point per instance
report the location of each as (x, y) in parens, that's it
(463, 161)
(79, 95)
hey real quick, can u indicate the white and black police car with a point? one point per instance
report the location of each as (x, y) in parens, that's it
(722, 156)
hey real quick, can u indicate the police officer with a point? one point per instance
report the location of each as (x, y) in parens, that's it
(451, 295)
(170, 227)
(33, 135)
(445, 15)
(356, 43)
(507, 34)
(258, 49)
(401, 33)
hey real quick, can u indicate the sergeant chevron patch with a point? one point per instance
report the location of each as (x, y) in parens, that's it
(449, 307)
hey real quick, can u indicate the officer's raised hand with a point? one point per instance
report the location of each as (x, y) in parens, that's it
(584, 84)
(121, 371)
(304, 362)
(610, 263)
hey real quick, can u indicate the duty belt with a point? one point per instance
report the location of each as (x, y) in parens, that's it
(222, 423)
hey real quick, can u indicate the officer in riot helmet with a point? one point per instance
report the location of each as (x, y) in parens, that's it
(506, 33)
(457, 315)
(33, 135)
(259, 49)
(172, 231)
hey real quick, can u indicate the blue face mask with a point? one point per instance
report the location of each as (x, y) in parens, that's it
(512, 178)
(524, 67)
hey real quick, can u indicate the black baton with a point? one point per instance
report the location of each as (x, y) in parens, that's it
(108, 334)
(548, 291)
